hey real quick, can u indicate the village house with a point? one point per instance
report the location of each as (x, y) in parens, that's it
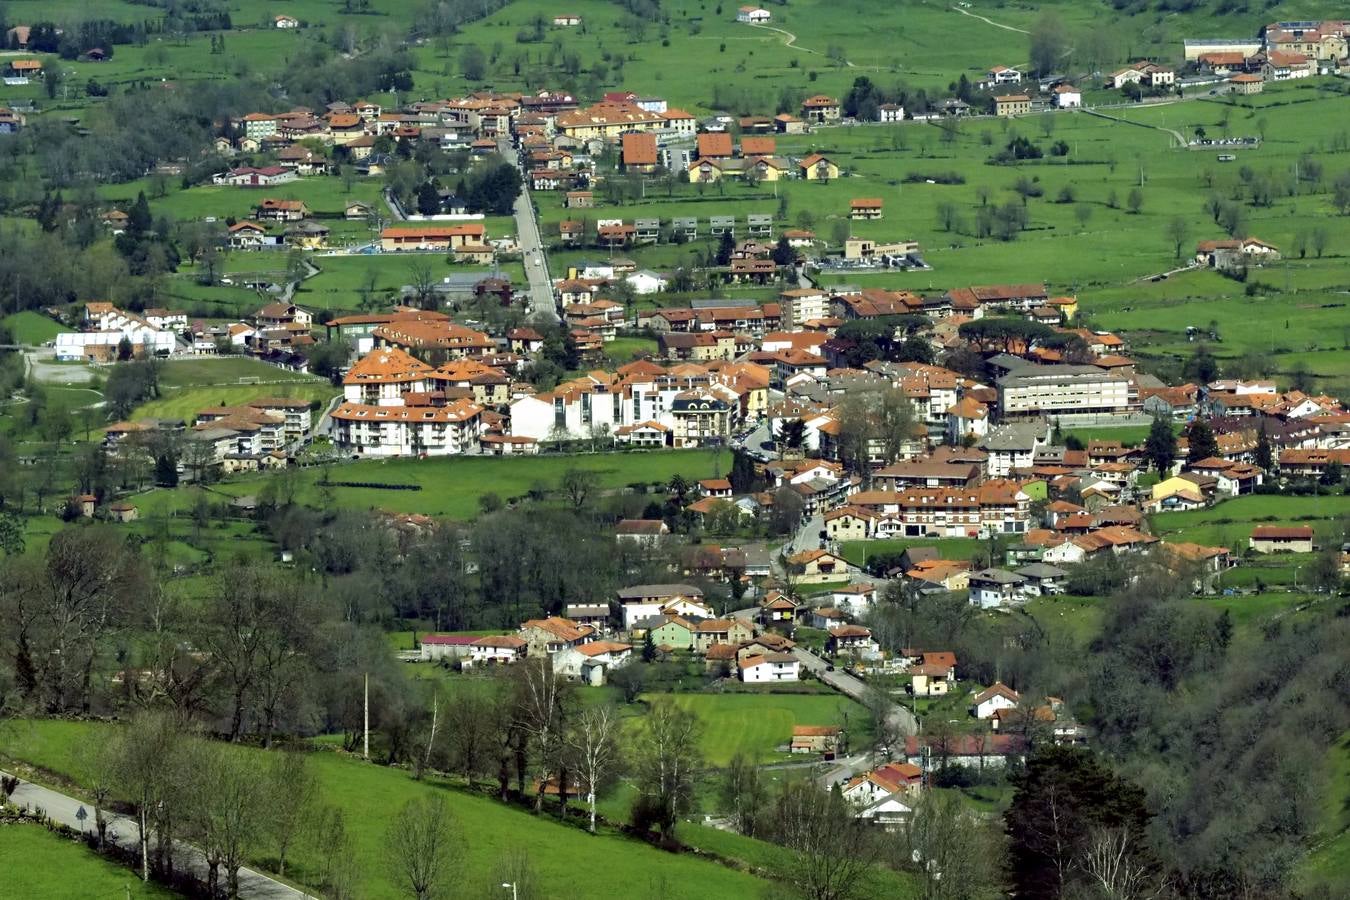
(1282, 539)
(933, 676)
(852, 640)
(434, 647)
(816, 566)
(1010, 105)
(591, 662)
(865, 208)
(997, 696)
(818, 168)
(814, 739)
(642, 601)
(771, 668)
(1235, 253)
(820, 109)
(753, 15)
(544, 637)
(500, 649)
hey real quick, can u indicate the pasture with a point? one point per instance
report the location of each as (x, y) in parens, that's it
(452, 486)
(1230, 523)
(41, 865)
(371, 796)
(29, 327)
(758, 724)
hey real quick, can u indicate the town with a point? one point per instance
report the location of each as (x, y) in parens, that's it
(450, 449)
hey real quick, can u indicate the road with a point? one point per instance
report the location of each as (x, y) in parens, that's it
(901, 719)
(122, 830)
(531, 245)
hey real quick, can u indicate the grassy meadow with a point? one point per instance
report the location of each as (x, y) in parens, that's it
(451, 487)
(371, 796)
(757, 724)
(41, 865)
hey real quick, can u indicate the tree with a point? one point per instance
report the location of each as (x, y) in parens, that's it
(1264, 456)
(230, 814)
(783, 254)
(1065, 796)
(473, 63)
(424, 848)
(594, 743)
(725, 246)
(833, 850)
(1134, 201)
(745, 794)
(289, 777)
(542, 707)
(579, 485)
(1048, 43)
(1177, 231)
(955, 852)
(1161, 446)
(339, 867)
(428, 199)
(667, 762)
(1200, 442)
(791, 434)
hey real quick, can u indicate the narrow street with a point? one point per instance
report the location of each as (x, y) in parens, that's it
(531, 245)
(122, 831)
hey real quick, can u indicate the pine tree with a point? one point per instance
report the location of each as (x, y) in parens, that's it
(724, 249)
(1202, 443)
(1264, 457)
(783, 254)
(139, 219)
(648, 647)
(1161, 446)
(428, 199)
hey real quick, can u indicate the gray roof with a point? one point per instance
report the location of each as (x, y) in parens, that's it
(1032, 373)
(1014, 436)
(640, 591)
(587, 609)
(1041, 570)
(997, 576)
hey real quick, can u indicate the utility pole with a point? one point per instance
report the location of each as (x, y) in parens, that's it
(365, 732)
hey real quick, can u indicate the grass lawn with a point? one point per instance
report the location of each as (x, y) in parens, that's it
(451, 487)
(371, 795)
(30, 327)
(212, 370)
(1229, 523)
(185, 403)
(1077, 619)
(41, 865)
(756, 724)
(1329, 861)
(858, 552)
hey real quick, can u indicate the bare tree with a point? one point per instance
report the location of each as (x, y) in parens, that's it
(594, 743)
(227, 813)
(1177, 231)
(579, 485)
(667, 761)
(832, 850)
(289, 778)
(541, 698)
(339, 869)
(743, 792)
(1111, 863)
(955, 853)
(424, 847)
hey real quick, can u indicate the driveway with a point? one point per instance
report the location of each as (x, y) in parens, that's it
(122, 831)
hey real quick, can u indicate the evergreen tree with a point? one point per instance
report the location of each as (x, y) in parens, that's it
(724, 249)
(783, 254)
(1264, 457)
(648, 647)
(428, 199)
(1202, 444)
(1066, 800)
(139, 219)
(1161, 446)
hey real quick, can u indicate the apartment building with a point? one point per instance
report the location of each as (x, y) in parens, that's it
(1081, 391)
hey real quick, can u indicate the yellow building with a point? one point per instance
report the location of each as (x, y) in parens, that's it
(1012, 105)
(818, 168)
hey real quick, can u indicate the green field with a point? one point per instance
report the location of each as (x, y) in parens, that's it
(371, 795)
(185, 403)
(1229, 523)
(40, 865)
(1329, 861)
(451, 487)
(858, 552)
(756, 724)
(29, 327)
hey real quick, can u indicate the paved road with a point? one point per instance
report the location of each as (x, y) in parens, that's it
(901, 719)
(531, 245)
(122, 830)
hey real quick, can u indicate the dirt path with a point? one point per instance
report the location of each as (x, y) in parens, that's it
(792, 43)
(1172, 132)
(990, 21)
